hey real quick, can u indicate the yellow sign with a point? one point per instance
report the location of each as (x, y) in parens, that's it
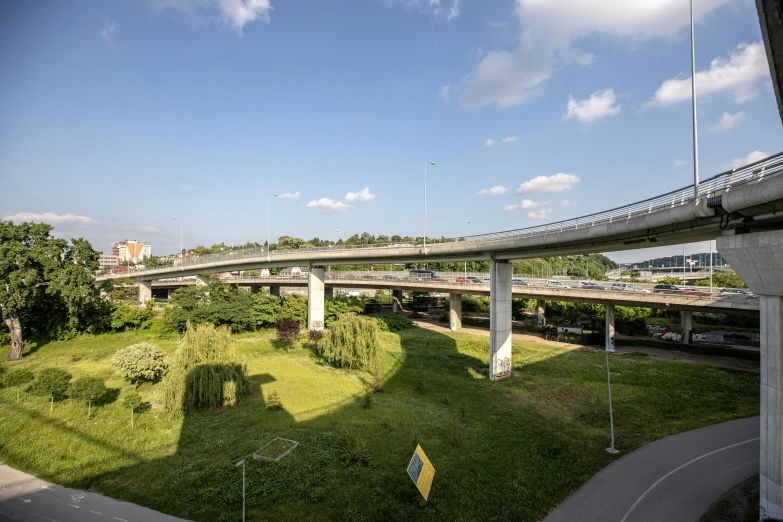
(421, 472)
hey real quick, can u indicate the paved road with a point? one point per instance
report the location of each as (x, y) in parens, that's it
(26, 498)
(675, 479)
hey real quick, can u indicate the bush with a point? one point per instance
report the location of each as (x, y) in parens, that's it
(392, 323)
(51, 382)
(132, 401)
(266, 309)
(287, 330)
(206, 372)
(295, 307)
(132, 317)
(315, 335)
(339, 307)
(273, 402)
(352, 342)
(143, 361)
(17, 379)
(89, 390)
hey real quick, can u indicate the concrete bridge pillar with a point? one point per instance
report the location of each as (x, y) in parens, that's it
(254, 289)
(274, 290)
(757, 258)
(540, 312)
(455, 312)
(145, 291)
(397, 300)
(315, 298)
(686, 323)
(329, 292)
(609, 344)
(202, 281)
(499, 319)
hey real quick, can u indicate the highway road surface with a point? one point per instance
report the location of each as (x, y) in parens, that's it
(24, 498)
(675, 479)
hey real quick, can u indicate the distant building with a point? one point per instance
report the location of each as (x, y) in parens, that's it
(119, 269)
(132, 250)
(108, 261)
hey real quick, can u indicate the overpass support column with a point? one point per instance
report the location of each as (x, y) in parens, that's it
(540, 312)
(455, 312)
(274, 290)
(145, 291)
(329, 292)
(201, 281)
(758, 259)
(686, 323)
(315, 298)
(397, 300)
(499, 319)
(609, 344)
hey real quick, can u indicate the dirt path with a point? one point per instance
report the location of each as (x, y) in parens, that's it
(717, 361)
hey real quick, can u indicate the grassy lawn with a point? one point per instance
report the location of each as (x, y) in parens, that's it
(511, 450)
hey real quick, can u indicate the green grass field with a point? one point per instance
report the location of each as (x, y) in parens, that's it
(509, 450)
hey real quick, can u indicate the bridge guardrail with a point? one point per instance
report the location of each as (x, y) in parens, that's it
(770, 166)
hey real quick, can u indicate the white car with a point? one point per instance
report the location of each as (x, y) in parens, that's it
(556, 284)
(634, 288)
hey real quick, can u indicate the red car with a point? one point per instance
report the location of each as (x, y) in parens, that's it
(694, 292)
(464, 280)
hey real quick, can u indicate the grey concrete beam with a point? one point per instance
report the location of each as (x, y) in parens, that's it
(455, 312)
(771, 21)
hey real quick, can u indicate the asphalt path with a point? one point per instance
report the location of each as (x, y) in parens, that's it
(675, 479)
(25, 498)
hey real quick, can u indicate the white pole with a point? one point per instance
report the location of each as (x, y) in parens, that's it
(242, 463)
(610, 449)
(425, 205)
(683, 263)
(710, 268)
(466, 263)
(695, 124)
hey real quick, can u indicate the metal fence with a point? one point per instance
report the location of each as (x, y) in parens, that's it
(770, 166)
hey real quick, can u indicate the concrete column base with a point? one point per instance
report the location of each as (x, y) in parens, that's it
(397, 296)
(541, 312)
(315, 298)
(757, 258)
(500, 319)
(455, 312)
(609, 343)
(274, 290)
(686, 324)
(145, 291)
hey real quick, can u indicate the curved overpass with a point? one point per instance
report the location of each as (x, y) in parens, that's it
(739, 201)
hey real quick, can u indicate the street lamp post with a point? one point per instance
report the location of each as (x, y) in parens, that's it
(268, 212)
(182, 256)
(425, 203)
(466, 263)
(695, 125)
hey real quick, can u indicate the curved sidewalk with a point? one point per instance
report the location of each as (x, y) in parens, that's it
(676, 478)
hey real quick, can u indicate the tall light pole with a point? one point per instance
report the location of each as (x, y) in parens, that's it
(710, 268)
(695, 125)
(425, 202)
(466, 263)
(182, 256)
(268, 213)
(242, 463)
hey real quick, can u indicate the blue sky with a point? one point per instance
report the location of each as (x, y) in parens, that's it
(116, 116)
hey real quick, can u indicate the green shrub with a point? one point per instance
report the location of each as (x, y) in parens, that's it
(51, 382)
(295, 307)
(392, 323)
(142, 361)
(273, 402)
(132, 401)
(132, 317)
(339, 307)
(89, 390)
(351, 342)
(287, 329)
(17, 379)
(266, 309)
(206, 372)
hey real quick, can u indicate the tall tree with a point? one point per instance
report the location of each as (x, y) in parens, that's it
(35, 267)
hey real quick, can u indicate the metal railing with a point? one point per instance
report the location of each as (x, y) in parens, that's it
(770, 166)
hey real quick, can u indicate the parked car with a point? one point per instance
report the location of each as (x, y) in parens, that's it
(476, 280)
(634, 288)
(666, 289)
(556, 284)
(592, 286)
(520, 282)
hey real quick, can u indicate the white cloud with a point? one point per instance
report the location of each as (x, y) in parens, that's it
(727, 121)
(753, 157)
(509, 139)
(600, 104)
(680, 163)
(540, 214)
(233, 13)
(555, 183)
(494, 191)
(453, 11)
(739, 75)
(107, 32)
(51, 218)
(445, 93)
(568, 203)
(363, 196)
(527, 204)
(289, 195)
(549, 32)
(488, 142)
(432, 7)
(328, 205)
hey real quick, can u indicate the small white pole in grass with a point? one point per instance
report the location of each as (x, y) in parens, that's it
(242, 463)
(610, 348)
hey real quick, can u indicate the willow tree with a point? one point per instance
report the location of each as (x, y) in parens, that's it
(40, 276)
(350, 342)
(207, 371)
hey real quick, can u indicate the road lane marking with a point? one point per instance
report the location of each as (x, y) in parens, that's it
(47, 487)
(77, 507)
(121, 519)
(32, 512)
(675, 470)
(96, 512)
